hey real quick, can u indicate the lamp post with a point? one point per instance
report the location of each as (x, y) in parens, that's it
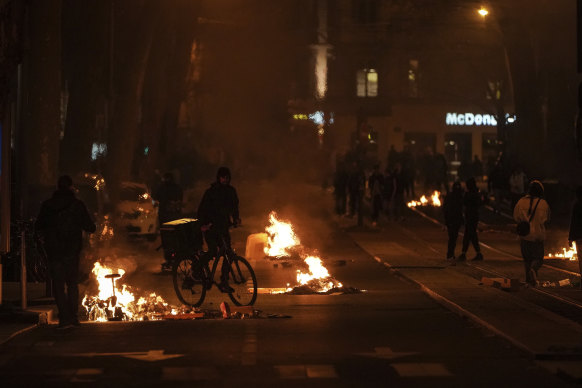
(497, 94)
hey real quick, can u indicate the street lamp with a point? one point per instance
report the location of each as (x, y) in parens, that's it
(483, 12)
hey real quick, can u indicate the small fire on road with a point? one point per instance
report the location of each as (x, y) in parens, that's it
(283, 242)
(566, 254)
(119, 303)
(424, 201)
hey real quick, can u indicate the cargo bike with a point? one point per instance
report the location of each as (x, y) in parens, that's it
(193, 274)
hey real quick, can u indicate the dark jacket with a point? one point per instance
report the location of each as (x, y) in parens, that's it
(57, 244)
(453, 208)
(576, 222)
(169, 195)
(218, 206)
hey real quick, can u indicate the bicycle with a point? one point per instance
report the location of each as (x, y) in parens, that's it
(192, 277)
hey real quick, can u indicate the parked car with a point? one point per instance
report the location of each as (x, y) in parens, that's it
(136, 211)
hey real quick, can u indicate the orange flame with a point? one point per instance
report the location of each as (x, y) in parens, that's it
(280, 237)
(119, 302)
(423, 201)
(567, 254)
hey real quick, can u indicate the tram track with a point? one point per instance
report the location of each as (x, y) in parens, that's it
(543, 297)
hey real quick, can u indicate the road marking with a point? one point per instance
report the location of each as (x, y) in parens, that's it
(189, 373)
(322, 371)
(150, 355)
(386, 353)
(421, 370)
(291, 371)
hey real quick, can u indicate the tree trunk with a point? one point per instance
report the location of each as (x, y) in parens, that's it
(41, 124)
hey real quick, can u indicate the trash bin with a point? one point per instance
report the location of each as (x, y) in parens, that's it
(181, 238)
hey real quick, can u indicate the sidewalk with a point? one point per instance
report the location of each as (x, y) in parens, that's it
(553, 340)
(14, 320)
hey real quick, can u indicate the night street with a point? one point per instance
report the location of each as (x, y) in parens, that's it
(326, 193)
(391, 333)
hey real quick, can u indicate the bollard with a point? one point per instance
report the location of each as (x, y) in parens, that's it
(23, 270)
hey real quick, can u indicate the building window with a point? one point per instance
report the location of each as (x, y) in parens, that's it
(413, 78)
(367, 83)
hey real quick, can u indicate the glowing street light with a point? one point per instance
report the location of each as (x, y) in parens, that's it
(483, 11)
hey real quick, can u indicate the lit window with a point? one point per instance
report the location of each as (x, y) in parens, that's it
(367, 83)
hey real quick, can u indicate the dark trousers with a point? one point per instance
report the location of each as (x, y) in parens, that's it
(533, 257)
(376, 207)
(470, 237)
(214, 241)
(453, 231)
(65, 277)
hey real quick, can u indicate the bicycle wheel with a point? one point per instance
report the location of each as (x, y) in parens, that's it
(189, 281)
(243, 281)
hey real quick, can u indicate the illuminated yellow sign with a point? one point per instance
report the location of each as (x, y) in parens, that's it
(300, 116)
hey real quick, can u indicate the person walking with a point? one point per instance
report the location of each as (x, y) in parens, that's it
(472, 201)
(356, 186)
(169, 196)
(376, 187)
(218, 211)
(61, 222)
(532, 208)
(575, 234)
(453, 212)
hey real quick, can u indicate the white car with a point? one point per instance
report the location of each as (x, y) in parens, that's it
(137, 212)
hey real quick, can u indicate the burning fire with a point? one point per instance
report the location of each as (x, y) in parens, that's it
(567, 254)
(281, 239)
(423, 201)
(119, 304)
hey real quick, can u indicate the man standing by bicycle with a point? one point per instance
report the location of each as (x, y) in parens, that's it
(218, 210)
(62, 220)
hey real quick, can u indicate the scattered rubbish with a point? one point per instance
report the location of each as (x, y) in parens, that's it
(306, 289)
(502, 283)
(565, 282)
(182, 316)
(286, 264)
(339, 263)
(272, 316)
(225, 309)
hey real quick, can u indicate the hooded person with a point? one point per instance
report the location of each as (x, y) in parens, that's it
(61, 222)
(217, 212)
(534, 209)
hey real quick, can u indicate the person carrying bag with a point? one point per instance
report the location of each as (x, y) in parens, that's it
(531, 220)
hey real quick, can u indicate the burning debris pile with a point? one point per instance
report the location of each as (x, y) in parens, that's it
(113, 303)
(566, 254)
(424, 201)
(312, 277)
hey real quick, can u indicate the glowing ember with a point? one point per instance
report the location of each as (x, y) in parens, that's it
(566, 254)
(113, 303)
(281, 237)
(317, 273)
(423, 201)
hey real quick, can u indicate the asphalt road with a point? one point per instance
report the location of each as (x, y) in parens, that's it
(391, 334)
